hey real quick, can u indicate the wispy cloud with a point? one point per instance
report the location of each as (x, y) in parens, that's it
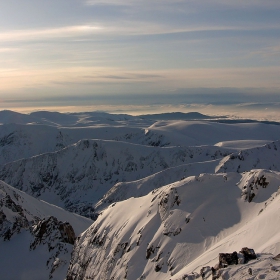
(9, 50)
(188, 6)
(60, 32)
(119, 28)
(129, 46)
(268, 52)
(189, 2)
(95, 80)
(130, 2)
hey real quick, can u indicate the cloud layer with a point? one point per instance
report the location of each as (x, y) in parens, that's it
(91, 47)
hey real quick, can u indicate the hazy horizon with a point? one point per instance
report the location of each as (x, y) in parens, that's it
(126, 55)
(259, 112)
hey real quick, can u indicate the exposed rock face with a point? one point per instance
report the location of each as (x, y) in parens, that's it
(205, 272)
(167, 201)
(277, 258)
(50, 229)
(226, 259)
(17, 220)
(251, 189)
(48, 238)
(249, 254)
(55, 235)
(264, 267)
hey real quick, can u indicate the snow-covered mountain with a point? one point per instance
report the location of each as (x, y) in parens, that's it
(77, 176)
(36, 238)
(125, 190)
(168, 197)
(265, 157)
(23, 141)
(210, 133)
(7, 117)
(31, 137)
(179, 228)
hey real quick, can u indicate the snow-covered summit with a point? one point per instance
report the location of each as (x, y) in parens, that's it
(179, 228)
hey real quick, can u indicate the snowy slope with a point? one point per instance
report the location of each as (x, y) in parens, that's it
(210, 133)
(180, 228)
(8, 116)
(23, 141)
(266, 157)
(78, 176)
(125, 190)
(35, 237)
(55, 118)
(242, 144)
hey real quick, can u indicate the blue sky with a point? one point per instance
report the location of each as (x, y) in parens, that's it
(90, 52)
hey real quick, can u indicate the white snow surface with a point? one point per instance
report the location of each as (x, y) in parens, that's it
(78, 176)
(179, 228)
(26, 139)
(170, 195)
(211, 133)
(242, 144)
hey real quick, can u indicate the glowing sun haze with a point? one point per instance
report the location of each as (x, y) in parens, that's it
(128, 55)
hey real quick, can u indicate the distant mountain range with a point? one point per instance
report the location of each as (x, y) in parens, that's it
(179, 116)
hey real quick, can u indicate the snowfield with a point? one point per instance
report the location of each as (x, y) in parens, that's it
(165, 196)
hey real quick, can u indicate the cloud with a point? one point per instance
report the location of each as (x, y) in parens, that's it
(185, 6)
(271, 3)
(123, 28)
(115, 29)
(109, 2)
(59, 32)
(130, 2)
(9, 50)
(268, 52)
(132, 76)
(118, 80)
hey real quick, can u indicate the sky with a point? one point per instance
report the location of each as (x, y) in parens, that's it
(184, 54)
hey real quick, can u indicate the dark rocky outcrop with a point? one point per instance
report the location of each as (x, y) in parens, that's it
(50, 229)
(249, 254)
(48, 234)
(56, 236)
(226, 259)
(251, 189)
(18, 222)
